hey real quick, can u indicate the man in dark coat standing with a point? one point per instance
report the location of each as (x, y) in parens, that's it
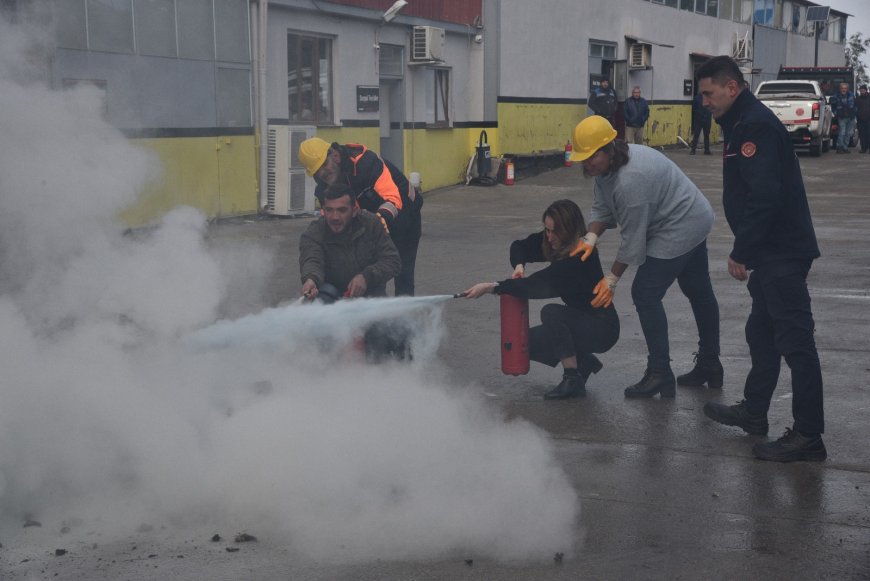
(774, 240)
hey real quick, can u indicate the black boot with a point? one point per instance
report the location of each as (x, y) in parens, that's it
(573, 384)
(707, 370)
(654, 381)
(587, 365)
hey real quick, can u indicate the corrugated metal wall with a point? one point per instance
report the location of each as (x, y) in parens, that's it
(455, 11)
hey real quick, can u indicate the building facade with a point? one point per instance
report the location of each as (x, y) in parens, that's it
(223, 90)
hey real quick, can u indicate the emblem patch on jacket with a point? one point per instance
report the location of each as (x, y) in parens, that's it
(748, 149)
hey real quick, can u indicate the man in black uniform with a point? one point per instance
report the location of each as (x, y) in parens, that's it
(767, 210)
(378, 186)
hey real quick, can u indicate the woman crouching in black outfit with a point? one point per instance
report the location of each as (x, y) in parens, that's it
(571, 332)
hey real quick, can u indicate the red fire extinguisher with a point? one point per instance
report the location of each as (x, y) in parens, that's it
(509, 172)
(568, 154)
(514, 335)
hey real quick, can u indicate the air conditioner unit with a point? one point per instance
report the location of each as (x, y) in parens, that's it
(289, 190)
(639, 56)
(427, 44)
(741, 47)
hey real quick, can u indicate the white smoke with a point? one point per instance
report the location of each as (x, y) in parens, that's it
(107, 410)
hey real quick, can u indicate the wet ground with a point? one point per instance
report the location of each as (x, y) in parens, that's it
(665, 493)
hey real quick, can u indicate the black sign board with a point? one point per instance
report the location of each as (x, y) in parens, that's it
(367, 98)
(688, 87)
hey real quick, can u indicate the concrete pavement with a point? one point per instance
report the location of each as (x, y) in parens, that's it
(665, 493)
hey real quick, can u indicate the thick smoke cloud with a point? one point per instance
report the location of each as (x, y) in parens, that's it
(113, 415)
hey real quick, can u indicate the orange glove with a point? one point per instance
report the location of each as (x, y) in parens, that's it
(585, 246)
(604, 291)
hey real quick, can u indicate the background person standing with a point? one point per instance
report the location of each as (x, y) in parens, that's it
(701, 121)
(603, 101)
(843, 107)
(862, 104)
(636, 115)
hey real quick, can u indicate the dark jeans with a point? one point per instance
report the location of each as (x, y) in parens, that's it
(696, 133)
(568, 332)
(653, 279)
(781, 325)
(406, 237)
(864, 133)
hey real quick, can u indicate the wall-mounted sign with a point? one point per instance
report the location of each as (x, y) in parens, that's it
(367, 98)
(688, 87)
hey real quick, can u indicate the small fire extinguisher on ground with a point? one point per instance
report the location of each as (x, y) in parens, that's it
(509, 172)
(568, 154)
(514, 335)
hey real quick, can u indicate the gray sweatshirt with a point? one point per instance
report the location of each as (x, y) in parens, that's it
(658, 209)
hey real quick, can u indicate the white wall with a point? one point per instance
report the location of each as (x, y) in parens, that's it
(544, 45)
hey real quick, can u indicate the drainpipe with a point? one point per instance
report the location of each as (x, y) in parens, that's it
(259, 22)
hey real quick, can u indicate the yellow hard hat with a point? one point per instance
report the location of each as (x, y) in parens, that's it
(590, 135)
(312, 154)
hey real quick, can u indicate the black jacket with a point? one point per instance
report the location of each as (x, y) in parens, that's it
(764, 197)
(862, 102)
(569, 279)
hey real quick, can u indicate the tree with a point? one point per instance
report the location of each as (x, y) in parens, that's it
(855, 49)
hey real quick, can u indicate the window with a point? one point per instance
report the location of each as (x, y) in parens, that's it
(436, 89)
(602, 51)
(764, 12)
(708, 7)
(309, 79)
(442, 97)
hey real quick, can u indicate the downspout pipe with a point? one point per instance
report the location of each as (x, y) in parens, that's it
(259, 37)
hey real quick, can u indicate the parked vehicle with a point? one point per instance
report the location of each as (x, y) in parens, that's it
(829, 79)
(804, 110)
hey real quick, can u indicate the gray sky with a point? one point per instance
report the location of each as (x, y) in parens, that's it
(860, 9)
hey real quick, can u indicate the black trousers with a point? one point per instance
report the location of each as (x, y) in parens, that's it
(696, 133)
(406, 236)
(864, 133)
(567, 332)
(781, 325)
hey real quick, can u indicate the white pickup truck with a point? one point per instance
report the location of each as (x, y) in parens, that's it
(803, 109)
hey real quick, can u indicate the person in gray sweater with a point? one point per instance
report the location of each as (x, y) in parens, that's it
(664, 220)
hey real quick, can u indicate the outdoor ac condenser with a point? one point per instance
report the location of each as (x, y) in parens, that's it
(289, 190)
(639, 56)
(428, 44)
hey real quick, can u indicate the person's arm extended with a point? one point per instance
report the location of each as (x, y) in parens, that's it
(586, 245)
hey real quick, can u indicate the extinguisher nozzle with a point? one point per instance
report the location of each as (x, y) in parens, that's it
(460, 295)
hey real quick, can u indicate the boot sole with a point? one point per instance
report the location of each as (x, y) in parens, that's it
(712, 383)
(799, 456)
(728, 422)
(667, 394)
(558, 397)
